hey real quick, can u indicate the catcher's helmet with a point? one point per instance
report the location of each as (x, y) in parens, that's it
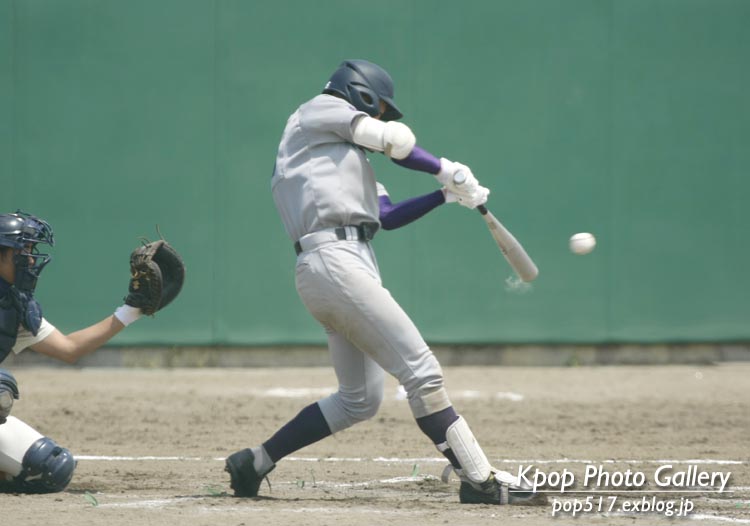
(18, 231)
(364, 84)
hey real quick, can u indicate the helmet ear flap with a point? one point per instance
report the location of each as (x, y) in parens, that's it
(364, 99)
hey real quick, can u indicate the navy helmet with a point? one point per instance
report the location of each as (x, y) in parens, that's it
(23, 232)
(364, 85)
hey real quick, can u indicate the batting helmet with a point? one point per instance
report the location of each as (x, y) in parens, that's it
(364, 84)
(18, 231)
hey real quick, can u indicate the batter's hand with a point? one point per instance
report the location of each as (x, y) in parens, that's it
(469, 200)
(450, 197)
(468, 192)
(448, 169)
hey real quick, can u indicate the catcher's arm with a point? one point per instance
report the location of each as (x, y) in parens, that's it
(71, 347)
(157, 274)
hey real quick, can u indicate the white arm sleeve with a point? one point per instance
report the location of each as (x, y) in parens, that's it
(395, 139)
(26, 339)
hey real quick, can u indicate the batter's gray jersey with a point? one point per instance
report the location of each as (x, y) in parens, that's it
(322, 179)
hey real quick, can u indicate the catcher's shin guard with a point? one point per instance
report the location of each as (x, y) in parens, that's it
(36, 463)
(16, 437)
(47, 468)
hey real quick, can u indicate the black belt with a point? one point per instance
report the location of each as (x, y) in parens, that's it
(365, 232)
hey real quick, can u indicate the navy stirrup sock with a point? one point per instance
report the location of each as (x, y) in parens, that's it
(307, 427)
(435, 426)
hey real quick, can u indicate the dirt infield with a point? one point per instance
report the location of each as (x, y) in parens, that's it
(151, 444)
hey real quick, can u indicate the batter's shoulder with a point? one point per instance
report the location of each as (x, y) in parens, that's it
(324, 102)
(328, 114)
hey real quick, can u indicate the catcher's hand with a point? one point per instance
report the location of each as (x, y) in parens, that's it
(157, 273)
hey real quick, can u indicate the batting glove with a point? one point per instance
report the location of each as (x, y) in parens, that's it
(447, 173)
(476, 198)
(470, 199)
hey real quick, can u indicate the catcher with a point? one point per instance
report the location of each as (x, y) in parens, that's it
(29, 461)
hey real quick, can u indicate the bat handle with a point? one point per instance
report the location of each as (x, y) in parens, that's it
(459, 178)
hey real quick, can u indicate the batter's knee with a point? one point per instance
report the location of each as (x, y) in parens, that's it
(342, 410)
(46, 468)
(361, 408)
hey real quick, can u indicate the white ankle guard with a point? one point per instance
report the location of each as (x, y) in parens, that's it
(474, 464)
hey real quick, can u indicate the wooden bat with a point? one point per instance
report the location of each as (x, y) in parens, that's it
(512, 250)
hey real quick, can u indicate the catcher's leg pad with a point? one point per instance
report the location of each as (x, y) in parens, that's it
(16, 437)
(46, 468)
(475, 466)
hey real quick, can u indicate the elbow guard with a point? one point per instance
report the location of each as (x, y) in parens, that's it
(394, 139)
(398, 140)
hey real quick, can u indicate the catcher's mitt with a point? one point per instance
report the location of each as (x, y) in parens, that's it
(157, 273)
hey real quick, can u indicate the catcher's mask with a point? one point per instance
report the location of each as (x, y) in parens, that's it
(23, 232)
(364, 85)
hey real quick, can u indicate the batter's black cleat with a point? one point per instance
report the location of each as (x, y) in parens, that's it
(494, 491)
(245, 481)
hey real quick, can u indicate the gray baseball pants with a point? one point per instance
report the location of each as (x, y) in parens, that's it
(368, 333)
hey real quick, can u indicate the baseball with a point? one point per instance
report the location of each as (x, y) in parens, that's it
(582, 243)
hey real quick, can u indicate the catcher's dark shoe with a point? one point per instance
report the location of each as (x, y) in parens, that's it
(495, 492)
(245, 481)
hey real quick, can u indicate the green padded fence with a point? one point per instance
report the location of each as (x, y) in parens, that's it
(629, 119)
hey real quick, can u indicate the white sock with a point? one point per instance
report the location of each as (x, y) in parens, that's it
(262, 462)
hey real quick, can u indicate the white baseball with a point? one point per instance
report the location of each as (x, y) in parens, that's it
(582, 243)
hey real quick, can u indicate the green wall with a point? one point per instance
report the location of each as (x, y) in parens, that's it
(628, 118)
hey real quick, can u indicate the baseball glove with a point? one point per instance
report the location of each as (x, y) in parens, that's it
(156, 276)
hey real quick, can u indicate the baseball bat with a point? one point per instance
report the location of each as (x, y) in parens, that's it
(511, 249)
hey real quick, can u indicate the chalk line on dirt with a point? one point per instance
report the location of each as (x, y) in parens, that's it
(425, 460)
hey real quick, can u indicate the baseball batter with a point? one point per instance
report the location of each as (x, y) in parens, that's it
(29, 461)
(332, 206)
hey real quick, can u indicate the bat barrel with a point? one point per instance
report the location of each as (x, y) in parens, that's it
(509, 245)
